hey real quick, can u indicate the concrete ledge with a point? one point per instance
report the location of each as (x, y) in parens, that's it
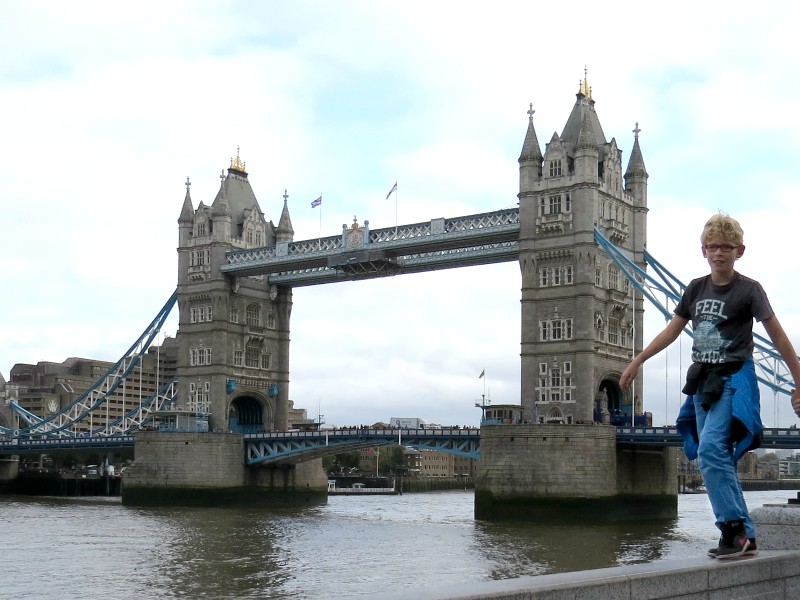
(772, 575)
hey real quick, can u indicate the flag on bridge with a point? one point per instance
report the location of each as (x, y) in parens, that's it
(482, 374)
(391, 191)
(316, 202)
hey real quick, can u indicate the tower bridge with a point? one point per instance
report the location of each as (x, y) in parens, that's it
(579, 234)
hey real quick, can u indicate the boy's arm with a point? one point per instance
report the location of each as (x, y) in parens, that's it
(784, 346)
(668, 335)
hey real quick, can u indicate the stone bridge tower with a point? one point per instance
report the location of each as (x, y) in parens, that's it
(233, 333)
(578, 324)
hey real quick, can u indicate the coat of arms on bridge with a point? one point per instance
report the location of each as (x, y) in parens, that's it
(354, 236)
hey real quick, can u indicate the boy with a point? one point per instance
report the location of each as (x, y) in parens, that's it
(720, 419)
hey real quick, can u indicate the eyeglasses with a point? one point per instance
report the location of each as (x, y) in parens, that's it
(721, 247)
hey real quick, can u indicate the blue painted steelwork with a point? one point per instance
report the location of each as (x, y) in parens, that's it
(669, 436)
(290, 447)
(771, 370)
(295, 446)
(32, 445)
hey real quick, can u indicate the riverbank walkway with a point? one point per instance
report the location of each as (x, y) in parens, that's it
(774, 574)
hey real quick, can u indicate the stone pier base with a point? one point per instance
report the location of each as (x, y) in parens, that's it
(571, 472)
(9, 470)
(207, 469)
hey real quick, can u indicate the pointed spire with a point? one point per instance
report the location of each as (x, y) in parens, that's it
(586, 137)
(636, 163)
(530, 147)
(285, 231)
(187, 211)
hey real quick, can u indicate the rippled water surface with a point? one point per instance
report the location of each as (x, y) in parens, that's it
(350, 547)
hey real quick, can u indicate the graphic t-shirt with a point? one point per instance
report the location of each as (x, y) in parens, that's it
(722, 317)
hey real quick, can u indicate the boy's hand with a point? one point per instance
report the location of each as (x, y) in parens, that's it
(630, 374)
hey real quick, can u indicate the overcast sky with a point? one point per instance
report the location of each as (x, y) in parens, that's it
(108, 107)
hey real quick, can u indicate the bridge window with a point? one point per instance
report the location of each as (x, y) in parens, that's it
(266, 360)
(198, 258)
(200, 229)
(253, 315)
(598, 276)
(557, 276)
(555, 168)
(555, 378)
(541, 206)
(249, 236)
(555, 204)
(271, 320)
(199, 356)
(613, 277)
(234, 314)
(567, 202)
(568, 275)
(200, 314)
(238, 358)
(258, 237)
(613, 331)
(543, 277)
(252, 356)
(555, 329)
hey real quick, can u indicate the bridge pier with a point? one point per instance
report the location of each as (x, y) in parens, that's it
(9, 470)
(540, 472)
(207, 469)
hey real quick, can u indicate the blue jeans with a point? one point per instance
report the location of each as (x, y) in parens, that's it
(715, 456)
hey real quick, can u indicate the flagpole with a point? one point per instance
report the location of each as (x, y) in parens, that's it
(396, 193)
(319, 236)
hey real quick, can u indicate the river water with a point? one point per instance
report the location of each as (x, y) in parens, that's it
(350, 547)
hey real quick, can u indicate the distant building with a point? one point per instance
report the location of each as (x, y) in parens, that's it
(789, 468)
(48, 387)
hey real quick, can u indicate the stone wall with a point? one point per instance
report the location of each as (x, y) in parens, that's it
(172, 468)
(198, 460)
(541, 472)
(548, 460)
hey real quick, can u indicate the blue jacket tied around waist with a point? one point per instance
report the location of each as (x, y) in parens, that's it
(746, 426)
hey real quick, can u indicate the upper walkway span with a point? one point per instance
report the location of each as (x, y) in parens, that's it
(361, 253)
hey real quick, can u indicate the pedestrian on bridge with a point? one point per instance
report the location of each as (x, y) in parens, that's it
(720, 419)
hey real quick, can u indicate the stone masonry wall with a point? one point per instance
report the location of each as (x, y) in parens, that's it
(191, 460)
(548, 461)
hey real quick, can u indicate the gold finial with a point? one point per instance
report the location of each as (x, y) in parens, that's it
(237, 164)
(583, 87)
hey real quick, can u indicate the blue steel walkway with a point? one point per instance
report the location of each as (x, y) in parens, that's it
(290, 447)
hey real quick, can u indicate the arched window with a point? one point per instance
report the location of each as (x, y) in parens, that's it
(253, 315)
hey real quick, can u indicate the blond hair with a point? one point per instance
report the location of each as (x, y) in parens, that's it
(722, 227)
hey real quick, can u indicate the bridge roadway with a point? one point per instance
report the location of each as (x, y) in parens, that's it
(290, 447)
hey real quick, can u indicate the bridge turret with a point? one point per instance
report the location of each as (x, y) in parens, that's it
(284, 232)
(577, 320)
(186, 218)
(530, 160)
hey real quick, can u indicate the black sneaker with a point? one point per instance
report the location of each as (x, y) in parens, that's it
(734, 542)
(752, 549)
